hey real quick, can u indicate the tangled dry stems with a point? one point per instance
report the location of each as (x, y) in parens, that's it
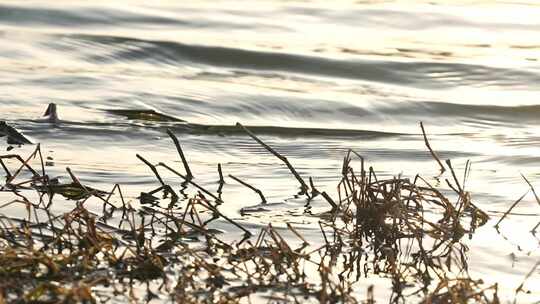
(404, 230)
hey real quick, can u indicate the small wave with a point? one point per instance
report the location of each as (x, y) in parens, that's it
(50, 16)
(497, 114)
(417, 74)
(93, 128)
(103, 17)
(290, 132)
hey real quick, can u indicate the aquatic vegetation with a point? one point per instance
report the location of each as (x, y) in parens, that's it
(404, 230)
(152, 116)
(145, 114)
(14, 137)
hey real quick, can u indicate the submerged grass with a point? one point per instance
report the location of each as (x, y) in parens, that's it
(404, 230)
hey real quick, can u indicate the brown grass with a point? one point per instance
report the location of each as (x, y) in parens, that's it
(401, 229)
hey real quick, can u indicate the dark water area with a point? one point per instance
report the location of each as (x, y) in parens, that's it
(313, 79)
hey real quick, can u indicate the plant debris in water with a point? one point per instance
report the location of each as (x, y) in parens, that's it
(148, 115)
(404, 230)
(13, 136)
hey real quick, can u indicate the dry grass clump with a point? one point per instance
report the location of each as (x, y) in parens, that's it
(410, 225)
(405, 230)
(462, 290)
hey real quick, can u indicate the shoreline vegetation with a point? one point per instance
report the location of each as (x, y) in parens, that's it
(406, 231)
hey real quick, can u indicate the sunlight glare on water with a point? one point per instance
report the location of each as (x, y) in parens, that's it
(470, 70)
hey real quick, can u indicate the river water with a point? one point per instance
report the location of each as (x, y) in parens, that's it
(470, 70)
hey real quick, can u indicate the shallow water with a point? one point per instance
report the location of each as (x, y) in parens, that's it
(469, 70)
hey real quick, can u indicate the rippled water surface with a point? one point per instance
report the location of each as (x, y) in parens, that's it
(364, 72)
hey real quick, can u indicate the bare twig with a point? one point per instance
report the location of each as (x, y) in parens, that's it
(221, 180)
(8, 174)
(314, 191)
(191, 182)
(449, 164)
(510, 209)
(76, 180)
(431, 150)
(24, 163)
(532, 189)
(153, 168)
(216, 211)
(303, 186)
(291, 228)
(330, 201)
(533, 269)
(181, 153)
(263, 199)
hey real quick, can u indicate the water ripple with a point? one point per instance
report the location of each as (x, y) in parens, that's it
(431, 75)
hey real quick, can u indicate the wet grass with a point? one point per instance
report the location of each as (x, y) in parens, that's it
(404, 230)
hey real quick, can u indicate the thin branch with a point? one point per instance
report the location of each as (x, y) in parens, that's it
(250, 187)
(330, 201)
(303, 186)
(152, 167)
(431, 150)
(529, 274)
(191, 182)
(181, 153)
(221, 180)
(510, 209)
(532, 189)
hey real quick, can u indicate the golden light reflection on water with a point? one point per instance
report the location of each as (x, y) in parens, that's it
(468, 69)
